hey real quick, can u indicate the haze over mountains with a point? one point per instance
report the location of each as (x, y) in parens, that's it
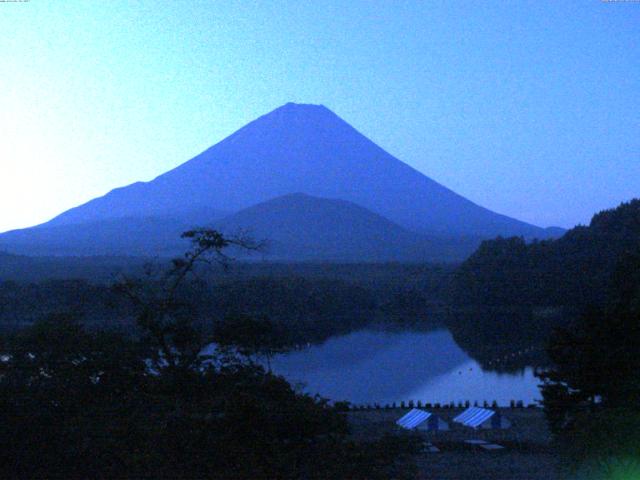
(353, 201)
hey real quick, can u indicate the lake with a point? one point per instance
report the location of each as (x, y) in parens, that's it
(375, 366)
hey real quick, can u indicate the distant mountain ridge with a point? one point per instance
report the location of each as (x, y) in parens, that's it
(302, 227)
(295, 148)
(295, 227)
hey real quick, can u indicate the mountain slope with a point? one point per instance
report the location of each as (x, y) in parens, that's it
(301, 227)
(136, 236)
(302, 148)
(295, 227)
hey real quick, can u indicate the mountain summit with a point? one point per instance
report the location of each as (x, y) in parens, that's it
(309, 149)
(349, 184)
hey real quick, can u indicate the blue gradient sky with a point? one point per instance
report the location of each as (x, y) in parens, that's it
(529, 108)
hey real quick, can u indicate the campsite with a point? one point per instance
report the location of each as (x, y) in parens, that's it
(527, 453)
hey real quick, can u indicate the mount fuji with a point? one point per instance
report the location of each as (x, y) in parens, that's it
(296, 148)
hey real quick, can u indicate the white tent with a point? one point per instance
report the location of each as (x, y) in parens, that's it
(476, 417)
(418, 419)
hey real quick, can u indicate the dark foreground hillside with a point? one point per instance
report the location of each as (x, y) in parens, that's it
(168, 399)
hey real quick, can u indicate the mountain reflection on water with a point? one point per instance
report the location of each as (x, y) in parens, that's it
(374, 366)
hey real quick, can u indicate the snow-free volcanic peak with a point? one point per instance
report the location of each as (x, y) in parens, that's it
(300, 148)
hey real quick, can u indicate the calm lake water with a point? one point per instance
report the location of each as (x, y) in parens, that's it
(379, 366)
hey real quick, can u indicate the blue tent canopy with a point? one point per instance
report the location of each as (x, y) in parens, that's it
(422, 420)
(476, 417)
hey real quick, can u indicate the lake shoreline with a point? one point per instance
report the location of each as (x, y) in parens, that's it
(373, 367)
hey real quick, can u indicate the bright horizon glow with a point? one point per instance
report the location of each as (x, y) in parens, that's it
(529, 109)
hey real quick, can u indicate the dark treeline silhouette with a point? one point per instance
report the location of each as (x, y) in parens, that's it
(511, 294)
(574, 270)
(592, 391)
(310, 302)
(78, 403)
(578, 296)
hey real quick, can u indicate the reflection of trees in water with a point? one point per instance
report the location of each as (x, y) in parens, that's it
(316, 330)
(505, 339)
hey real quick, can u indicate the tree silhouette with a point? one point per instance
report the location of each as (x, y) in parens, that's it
(592, 392)
(163, 314)
(81, 404)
